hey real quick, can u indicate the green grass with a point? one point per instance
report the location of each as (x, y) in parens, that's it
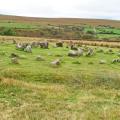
(34, 90)
(108, 36)
(106, 32)
(17, 25)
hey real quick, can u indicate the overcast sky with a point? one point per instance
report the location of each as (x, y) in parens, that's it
(103, 9)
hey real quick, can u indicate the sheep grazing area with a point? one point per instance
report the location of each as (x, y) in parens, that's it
(54, 81)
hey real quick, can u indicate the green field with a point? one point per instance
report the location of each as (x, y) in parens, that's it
(79, 89)
(16, 25)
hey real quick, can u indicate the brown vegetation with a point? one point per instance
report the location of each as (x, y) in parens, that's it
(79, 42)
(61, 21)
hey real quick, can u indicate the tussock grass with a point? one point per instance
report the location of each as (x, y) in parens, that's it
(43, 87)
(58, 102)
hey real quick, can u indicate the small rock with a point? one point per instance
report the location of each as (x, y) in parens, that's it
(14, 60)
(56, 62)
(116, 60)
(90, 52)
(40, 58)
(102, 62)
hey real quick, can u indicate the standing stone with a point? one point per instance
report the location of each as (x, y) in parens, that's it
(90, 52)
(28, 49)
(80, 52)
(19, 46)
(73, 53)
(73, 47)
(59, 44)
(116, 60)
(44, 45)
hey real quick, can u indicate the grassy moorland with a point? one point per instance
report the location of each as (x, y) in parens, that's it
(79, 89)
(86, 29)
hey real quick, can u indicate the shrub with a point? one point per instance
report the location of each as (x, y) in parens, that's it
(88, 36)
(90, 32)
(8, 31)
(76, 62)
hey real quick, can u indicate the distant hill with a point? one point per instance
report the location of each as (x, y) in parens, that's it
(63, 28)
(60, 21)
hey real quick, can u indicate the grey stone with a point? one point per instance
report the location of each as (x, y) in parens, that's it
(80, 52)
(44, 45)
(40, 58)
(73, 53)
(28, 49)
(73, 47)
(59, 44)
(90, 52)
(116, 60)
(102, 62)
(56, 62)
(14, 60)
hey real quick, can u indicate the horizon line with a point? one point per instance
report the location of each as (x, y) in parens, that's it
(58, 17)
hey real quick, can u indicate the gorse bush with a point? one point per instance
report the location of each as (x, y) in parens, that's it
(8, 31)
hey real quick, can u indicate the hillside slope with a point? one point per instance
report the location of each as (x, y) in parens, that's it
(61, 21)
(62, 28)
